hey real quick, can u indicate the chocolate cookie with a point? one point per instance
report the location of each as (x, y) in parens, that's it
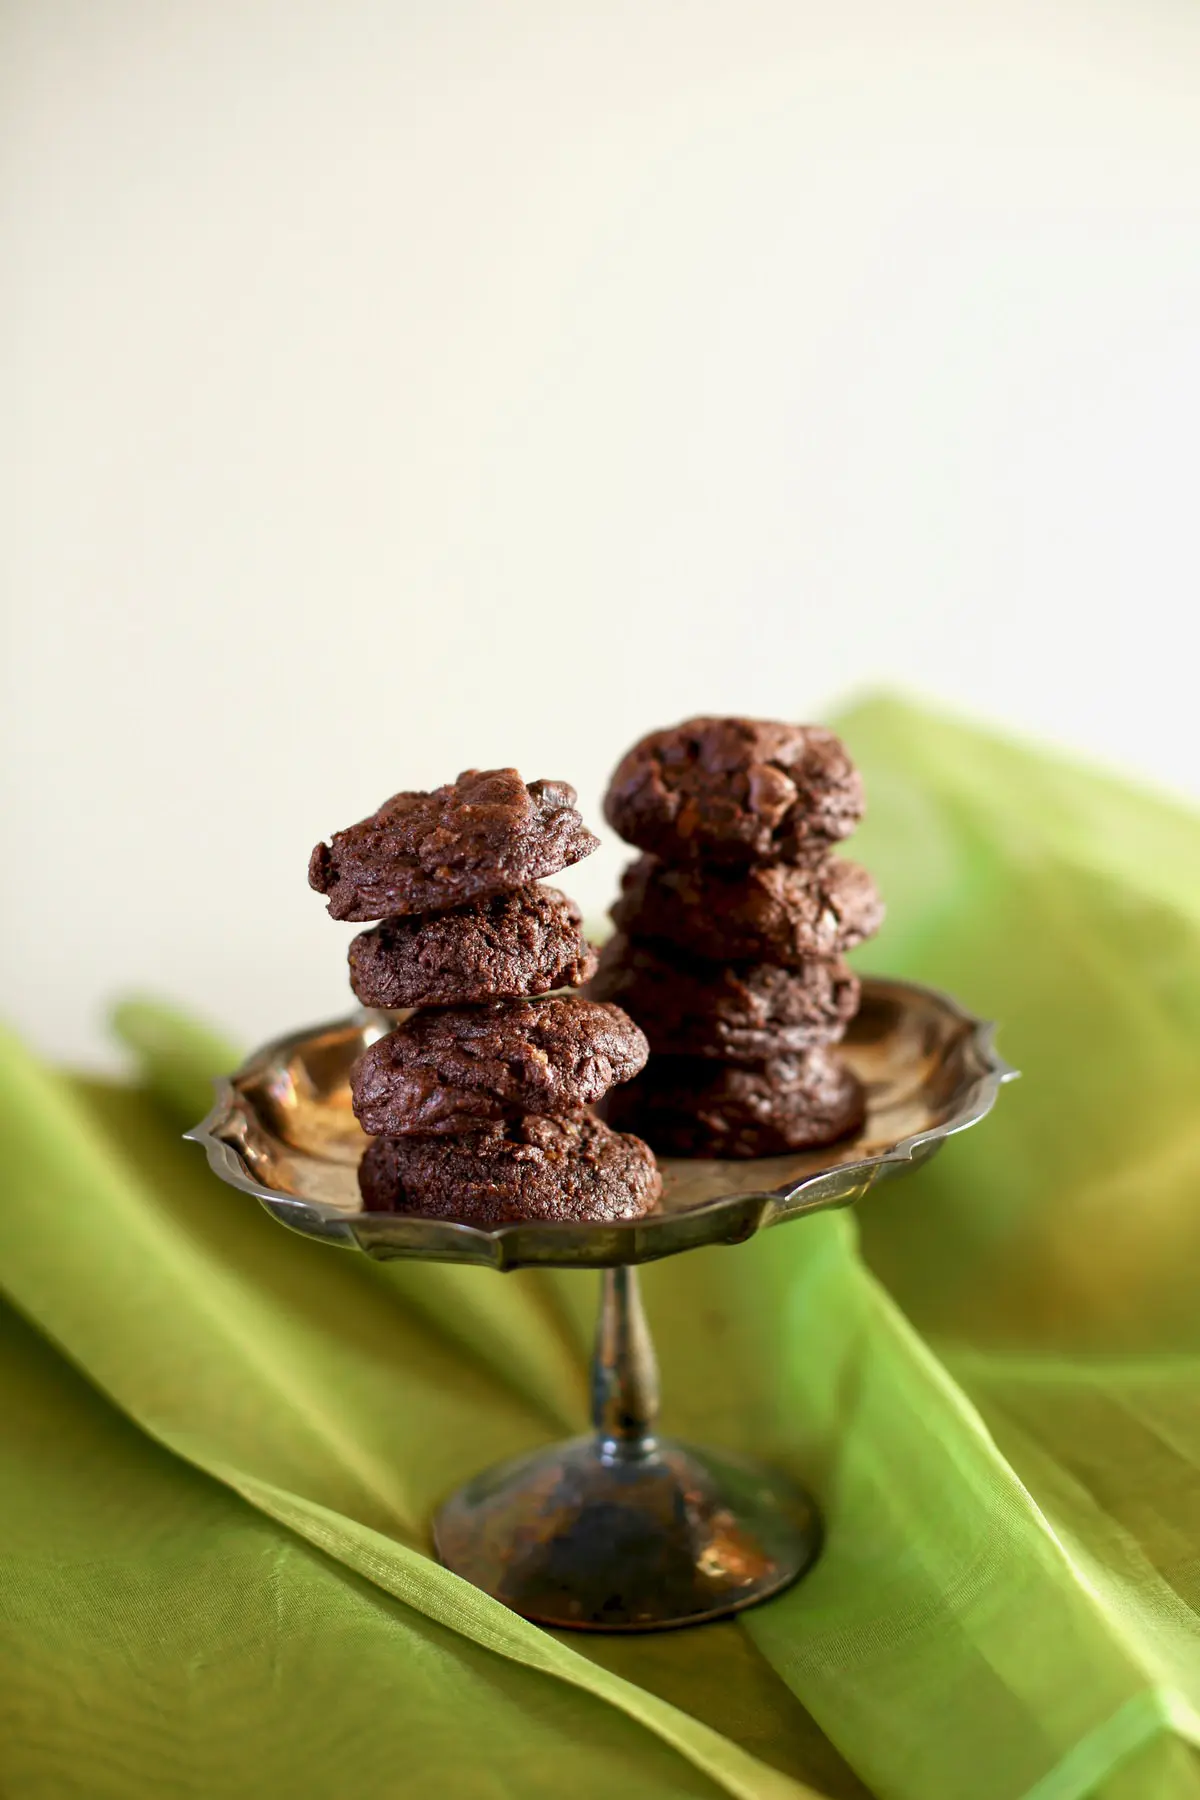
(686, 1106)
(773, 912)
(534, 1168)
(483, 834)
(455, 1068)
(505, 947)
(735, 791)
(740, 1012)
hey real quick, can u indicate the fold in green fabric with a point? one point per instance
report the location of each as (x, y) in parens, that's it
(222, 1444)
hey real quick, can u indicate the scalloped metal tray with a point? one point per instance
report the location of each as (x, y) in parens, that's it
(282, 1130)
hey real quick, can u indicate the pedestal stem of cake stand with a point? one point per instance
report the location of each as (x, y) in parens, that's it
(624, 1370)
(624, 1530)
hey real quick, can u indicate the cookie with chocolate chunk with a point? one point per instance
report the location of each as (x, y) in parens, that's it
(456, 1068)
(735, 791)
(689, 1107)
(486, 833)
(771, 912)
(566, 1169)
(739, 1012)
(508, 946)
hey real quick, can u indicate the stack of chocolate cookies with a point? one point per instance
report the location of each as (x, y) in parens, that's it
(476, 1101)
(731, 930)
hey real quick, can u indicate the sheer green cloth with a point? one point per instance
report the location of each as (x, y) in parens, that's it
(221, 1444)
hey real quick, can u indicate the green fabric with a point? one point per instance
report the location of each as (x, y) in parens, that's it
(221, 1444)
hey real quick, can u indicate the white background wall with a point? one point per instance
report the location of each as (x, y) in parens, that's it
(395, 387)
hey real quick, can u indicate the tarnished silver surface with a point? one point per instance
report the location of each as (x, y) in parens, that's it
(622, 1530)
(282, 1130)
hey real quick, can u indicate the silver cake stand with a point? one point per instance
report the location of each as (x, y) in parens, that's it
(622, 1529)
